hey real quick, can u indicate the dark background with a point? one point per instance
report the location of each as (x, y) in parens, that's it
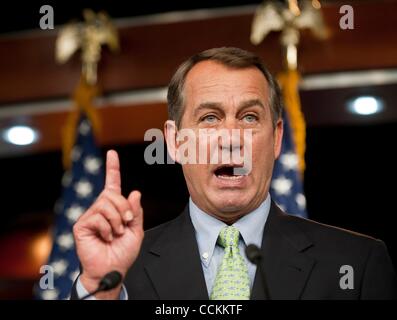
(22, 15)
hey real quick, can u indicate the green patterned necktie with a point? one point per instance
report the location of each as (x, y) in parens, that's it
(232, 281)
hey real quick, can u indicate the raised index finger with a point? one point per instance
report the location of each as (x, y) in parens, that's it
(113, 179)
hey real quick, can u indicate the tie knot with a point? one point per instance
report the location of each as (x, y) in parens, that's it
(228, 237)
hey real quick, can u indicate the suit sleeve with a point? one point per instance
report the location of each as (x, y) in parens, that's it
(78, 291)
(73, 292)
(379, 281)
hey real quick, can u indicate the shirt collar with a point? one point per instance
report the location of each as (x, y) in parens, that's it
(208, 227)
(251, 225)
(207, 230)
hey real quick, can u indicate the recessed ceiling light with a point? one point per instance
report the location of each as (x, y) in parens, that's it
(20, 135)
(365, 105)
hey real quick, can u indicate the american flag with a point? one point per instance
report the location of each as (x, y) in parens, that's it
(286, 188)
(82, 183)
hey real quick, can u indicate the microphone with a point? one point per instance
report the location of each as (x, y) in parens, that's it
(255, 256)
(110, 281)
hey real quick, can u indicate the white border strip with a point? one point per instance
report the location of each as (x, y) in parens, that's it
(349, 79)
(158, 95)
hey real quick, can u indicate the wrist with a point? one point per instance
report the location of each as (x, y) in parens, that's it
(91, 284)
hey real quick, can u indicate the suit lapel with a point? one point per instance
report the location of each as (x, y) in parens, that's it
(175, 270)
(175, 266)
(286, 266)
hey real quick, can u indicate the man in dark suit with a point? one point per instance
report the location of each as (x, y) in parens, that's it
(200, 254)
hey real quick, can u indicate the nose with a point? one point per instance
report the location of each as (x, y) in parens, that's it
(231, 136)
(230, 140)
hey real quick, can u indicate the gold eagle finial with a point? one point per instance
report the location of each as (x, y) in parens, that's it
(275, 16)
(89, 36)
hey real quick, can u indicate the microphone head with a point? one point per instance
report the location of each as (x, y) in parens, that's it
(253, 253)
(111, 280)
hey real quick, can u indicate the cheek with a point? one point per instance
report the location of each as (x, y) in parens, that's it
(194, 172)
(263, 150)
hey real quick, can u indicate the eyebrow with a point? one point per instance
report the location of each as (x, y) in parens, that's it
(218, 106)
(208, 105)
(251, 103)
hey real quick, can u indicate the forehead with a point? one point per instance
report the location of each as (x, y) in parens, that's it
(213, 80)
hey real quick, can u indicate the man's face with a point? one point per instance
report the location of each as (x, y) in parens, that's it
(218, 97)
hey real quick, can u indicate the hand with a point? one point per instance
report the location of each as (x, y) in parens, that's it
(109, 234)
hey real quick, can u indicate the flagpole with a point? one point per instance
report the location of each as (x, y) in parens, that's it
(83, 179)
(289, 18)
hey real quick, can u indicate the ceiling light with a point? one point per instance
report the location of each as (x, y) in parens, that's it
(20, 135)
(365, 105)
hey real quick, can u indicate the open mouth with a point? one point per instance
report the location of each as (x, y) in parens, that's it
(232, 172)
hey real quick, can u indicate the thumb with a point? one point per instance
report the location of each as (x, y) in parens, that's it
(134, 200)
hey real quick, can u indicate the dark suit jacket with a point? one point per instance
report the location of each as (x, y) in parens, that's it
(302, 260)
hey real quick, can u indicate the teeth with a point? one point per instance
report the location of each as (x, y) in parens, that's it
(230, 177)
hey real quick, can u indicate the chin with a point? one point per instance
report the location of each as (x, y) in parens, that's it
(232, 203)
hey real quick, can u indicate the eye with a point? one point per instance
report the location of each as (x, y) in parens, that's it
(209, 118)
(250, 118)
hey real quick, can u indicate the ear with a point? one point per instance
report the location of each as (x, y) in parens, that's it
(170, 132)
(278, 137)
